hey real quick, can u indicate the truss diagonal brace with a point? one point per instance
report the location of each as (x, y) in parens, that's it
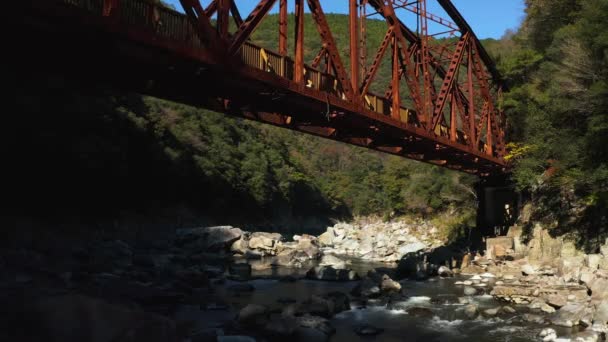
(449, 80)
(202, 22)
(252, 21)
(330, 46)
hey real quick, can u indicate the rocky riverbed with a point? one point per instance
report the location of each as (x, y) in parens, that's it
(352, 282)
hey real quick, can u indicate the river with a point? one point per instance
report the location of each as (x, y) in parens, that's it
(445, 321)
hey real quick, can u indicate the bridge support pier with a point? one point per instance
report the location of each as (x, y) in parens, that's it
(498, 206)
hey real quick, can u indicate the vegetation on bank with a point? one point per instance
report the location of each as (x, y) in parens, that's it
(556, 67)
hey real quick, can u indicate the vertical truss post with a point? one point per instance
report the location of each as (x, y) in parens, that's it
(396, 100)
(426, 74)
(453, 119)
(223, 18)
(489, 139)
(363, 38)
(472, 133)
(283, 27)
(299, 42)
(354, 46)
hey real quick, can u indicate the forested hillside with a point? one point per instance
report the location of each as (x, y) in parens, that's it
(94, 152)
(556, 66)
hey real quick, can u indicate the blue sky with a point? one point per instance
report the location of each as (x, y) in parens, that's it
(488, 18)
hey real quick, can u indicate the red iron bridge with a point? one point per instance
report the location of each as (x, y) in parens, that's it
(439, 106)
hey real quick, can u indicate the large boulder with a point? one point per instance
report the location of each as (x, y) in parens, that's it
(471, 311)
(333, 261)
(266, 242)
(570, 268)
(389, 285)
(411, 248)
(599, 288)
(571, 314)
(253, 316)
(600, 317)
(327, 238)
(604, 249)
(498, 247)
(208, 238)
(593, 261)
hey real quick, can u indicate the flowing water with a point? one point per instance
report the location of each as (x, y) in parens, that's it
(446, 323)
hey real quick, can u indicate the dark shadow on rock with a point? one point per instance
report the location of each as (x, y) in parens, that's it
(421, 265)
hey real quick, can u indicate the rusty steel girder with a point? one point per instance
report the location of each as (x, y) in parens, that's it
(440, 106)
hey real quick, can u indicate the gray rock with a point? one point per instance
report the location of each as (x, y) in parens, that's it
(532, 318)
(411, 247)
(587, 336)
(528, 269)
(368, 330)
(604, 249)
(333, 261)
(570, 315)
(331, 274)
(599, 288)
(557, 300)
(593, 261)
(548, 335)
(570, 268)
(327, 238)
(262, 242)
(470, 291)
(546, 308)
(239, 246)
(491, 312)
(471, 311)
(508, 309)
(600, 317)
(253, 315)
(464, 300)
(389, 285)
(445, 271)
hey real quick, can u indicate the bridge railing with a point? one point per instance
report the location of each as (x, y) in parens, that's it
(172, 25)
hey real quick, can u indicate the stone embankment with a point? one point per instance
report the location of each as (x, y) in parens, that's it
(546, 281)
(369, 241)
